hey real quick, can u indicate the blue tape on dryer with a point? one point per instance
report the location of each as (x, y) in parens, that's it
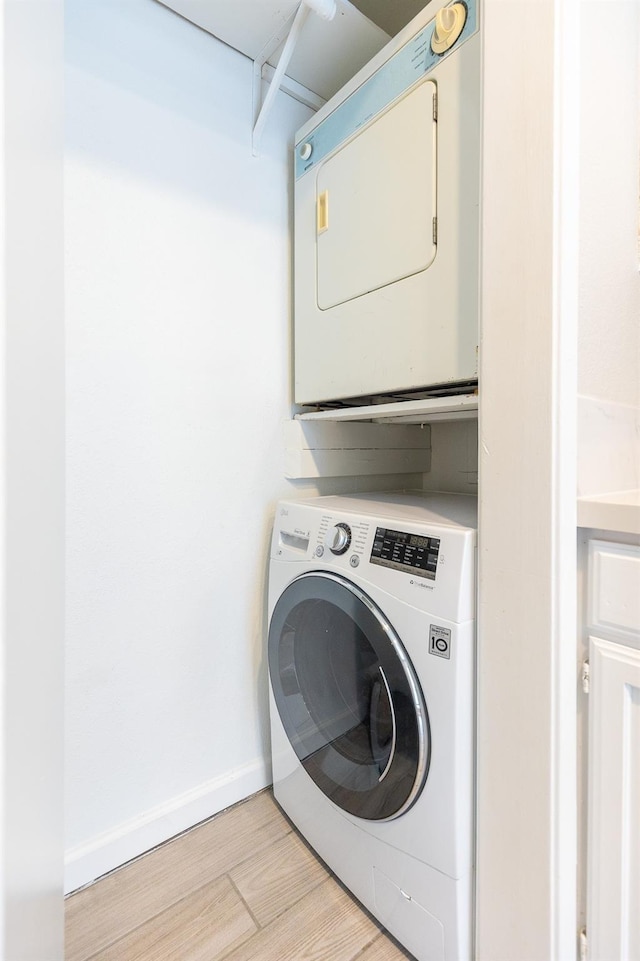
(401, 71)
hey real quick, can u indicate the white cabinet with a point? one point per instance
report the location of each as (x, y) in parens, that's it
(613, 893)
(613, 842)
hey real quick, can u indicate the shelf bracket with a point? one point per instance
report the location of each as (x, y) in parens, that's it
(323, 8)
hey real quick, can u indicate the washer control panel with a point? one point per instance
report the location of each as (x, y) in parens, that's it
(418, 548)
(403, 551)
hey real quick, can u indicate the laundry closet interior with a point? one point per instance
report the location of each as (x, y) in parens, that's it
(216, 364)
(180, 428)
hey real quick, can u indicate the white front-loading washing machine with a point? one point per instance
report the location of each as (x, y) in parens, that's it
(371, 668)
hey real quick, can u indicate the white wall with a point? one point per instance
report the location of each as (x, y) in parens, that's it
(454, 457)
(609, 353)
(178, 293)
(31, 481)
(609, 344)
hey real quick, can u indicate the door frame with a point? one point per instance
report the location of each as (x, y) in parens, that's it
(526, 761)
(31, 480)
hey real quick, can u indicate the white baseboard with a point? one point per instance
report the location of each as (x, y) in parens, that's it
(128, 840)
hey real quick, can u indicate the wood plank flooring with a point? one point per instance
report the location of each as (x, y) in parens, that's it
(241, 887)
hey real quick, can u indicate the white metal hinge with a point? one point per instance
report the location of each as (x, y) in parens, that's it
(584, 945)
(435, 106)
(434, 230)
(586, 676)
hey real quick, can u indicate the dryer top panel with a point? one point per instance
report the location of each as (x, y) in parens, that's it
(402, 69)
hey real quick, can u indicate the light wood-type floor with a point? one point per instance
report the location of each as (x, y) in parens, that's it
(243, 886)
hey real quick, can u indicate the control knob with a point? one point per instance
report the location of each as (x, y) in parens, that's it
(338, 538)
(449, 25)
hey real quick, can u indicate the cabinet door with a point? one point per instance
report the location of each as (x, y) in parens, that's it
(614, 588)
(613, 863)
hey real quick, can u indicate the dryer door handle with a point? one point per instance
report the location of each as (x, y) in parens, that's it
(380, 742)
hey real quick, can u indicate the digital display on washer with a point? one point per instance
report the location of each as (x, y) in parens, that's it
(406, 552)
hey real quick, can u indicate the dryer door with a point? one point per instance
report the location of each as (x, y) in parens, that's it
(376, 202)
(348, 697)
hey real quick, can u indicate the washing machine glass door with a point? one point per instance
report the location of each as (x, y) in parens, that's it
(348, 697)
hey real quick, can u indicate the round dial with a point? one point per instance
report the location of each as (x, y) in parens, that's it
(449, 24)
(338, 538)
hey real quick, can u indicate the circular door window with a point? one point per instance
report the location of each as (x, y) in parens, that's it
(348, 697)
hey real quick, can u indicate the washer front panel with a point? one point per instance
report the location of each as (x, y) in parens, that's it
(348, 697)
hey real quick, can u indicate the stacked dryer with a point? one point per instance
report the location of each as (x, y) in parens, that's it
(386, 220)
